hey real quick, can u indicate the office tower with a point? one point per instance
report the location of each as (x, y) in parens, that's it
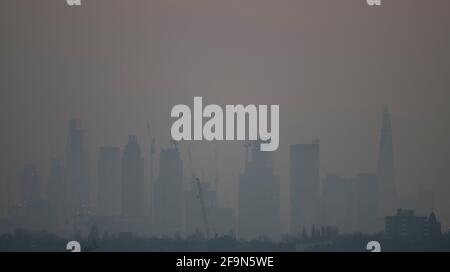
(132, 180)
(168, 193)
(350, 203)
(32, 213)
(30, 186)
(109, 189)
(193, 218)
(259, 197)
(365, 203)
(337, 195)
(406, 225)
(56, 194)
(304, 186)
(77, 172)
(220, 220)
(386, 199)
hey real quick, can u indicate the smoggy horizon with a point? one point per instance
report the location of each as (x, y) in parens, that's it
(330, 65)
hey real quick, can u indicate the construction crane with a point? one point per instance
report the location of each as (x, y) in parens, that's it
(202, 203)
(200, 195)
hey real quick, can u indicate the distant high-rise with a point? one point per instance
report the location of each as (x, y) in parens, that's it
(386, 190)
(337, 203)
(56, 194)
(77, 171)
(168, 190)
(350, 203)
(220, 219)
(409, 226)
(304, 186)
(109, 182)
(259, 198)
(30, 185)
(132, 180)
(55, 186)
(32, 213)
(365, 203)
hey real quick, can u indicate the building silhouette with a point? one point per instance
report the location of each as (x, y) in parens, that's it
(365, 203)
(30, 185)
(259, 198)
(386, 188)
(32, 212)
(109, 190)
(350, 203)
(132, 180)
(168, 193)
(337, 204)
(407, 225)
(77, 173)
(304, 185)
(220, 220)
(56, 195)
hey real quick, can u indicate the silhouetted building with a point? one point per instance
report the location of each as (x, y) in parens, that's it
(109, 189)
(55, 185)
(56, 194)
(386, 188)
(337, 203)
(30, 185)
(407, 225)
(168, 193)
(32, 212)
(259, 197)
(350, 204)
(365, 203)
(220, 220)
(305, 185)
(132, 180)
(77, 173)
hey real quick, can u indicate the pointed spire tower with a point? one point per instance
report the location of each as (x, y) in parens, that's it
(385, 170)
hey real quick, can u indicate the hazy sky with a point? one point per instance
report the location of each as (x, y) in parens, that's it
(330, 65)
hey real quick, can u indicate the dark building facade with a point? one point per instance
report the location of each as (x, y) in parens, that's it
(77, 173)
(304, 185)
(386, 187)
(407, 225)
(259, 198)
(132, 180)
(109, 189)
(168, 193)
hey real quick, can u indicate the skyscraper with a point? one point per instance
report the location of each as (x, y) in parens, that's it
(32, 212)
(259, 197)
(168, 189)
(132, 180)
(56, 194)
(77, 171)
(55, 185)
(365, 203)
(386, 191)
(304, 186)
(220, 219)
(30, 185)
(109, 182)
(338, 203)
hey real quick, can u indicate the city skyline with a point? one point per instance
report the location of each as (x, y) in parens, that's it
(330, 65)
(122, 201)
